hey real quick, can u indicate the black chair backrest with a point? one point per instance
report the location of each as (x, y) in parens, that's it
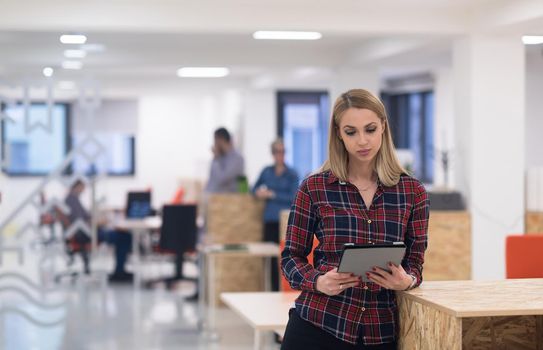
(138, 205)
(178, 232)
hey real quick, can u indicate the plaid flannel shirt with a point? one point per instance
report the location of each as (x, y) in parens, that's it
(334, 212)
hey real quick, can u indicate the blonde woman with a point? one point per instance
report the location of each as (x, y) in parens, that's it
(362, 195)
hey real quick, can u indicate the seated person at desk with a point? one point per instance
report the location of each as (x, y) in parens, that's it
(277, 185)
(120, 240)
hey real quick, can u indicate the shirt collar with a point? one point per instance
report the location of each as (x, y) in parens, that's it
(333, 178)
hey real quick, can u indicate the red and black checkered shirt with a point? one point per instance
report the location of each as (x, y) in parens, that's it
(334, 212)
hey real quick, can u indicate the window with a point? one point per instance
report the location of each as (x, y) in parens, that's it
(35, 147)
(411, 118)
(118, 158)
(303, 123)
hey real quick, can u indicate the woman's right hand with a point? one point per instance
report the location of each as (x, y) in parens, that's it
(333, 282)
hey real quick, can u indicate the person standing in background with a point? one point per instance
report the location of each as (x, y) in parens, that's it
(227, 164)
(277, 185)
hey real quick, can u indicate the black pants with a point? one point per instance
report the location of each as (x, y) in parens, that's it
(301, 334)
(271, 234)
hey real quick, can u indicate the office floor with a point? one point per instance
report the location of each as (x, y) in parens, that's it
(118, 317)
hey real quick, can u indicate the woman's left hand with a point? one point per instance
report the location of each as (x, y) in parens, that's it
(397, 279)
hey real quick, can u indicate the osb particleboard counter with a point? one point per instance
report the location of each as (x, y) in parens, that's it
(448, 256)
(235, 218)
(505, 314)
(534, 222)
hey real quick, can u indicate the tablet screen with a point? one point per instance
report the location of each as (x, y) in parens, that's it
(359, 259)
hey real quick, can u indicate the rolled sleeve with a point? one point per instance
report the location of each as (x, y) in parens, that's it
(416, 238)
(298, 271)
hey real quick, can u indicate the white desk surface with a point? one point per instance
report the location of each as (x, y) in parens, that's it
(509, 297)
(263, 249)
(262, 310)
(149, 223)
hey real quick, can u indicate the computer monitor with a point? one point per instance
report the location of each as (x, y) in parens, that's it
(138, 205)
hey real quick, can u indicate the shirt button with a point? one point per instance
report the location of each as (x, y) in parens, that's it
(369, 221)
(363, 309)
(365, 287)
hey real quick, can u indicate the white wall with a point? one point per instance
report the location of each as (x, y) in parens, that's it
(444, 133)
(534, 129)
(259, 130)
(490, 124)
(534, 110)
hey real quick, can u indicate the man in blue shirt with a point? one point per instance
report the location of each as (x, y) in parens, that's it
(227, 165)
(277, 185)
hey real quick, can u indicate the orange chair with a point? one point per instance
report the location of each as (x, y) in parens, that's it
(524, 256)
(285, 286)
(179, 196)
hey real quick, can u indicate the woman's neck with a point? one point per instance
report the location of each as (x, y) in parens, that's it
(361, 170)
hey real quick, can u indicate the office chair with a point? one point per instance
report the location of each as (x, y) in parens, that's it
(178, 235)
(523, 256)
(78, 244)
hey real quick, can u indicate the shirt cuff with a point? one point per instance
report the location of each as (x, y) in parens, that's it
(310, 280)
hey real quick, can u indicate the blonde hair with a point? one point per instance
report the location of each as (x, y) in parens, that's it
(387, 165)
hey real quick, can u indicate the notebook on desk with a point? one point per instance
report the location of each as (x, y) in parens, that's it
(234, 246)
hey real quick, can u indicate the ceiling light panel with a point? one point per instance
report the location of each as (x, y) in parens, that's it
(532, 39)
(75, 53)
(72, 64)
(73, 39)
(48, 72)
(286, 35)
(203, 72)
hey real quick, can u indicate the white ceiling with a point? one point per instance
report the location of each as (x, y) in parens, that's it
(147, 40)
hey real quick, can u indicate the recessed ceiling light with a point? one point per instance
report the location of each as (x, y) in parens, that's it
(72, 64)
(286, 35)
(66, 85)
(48, 71)
(73, 39)
(532, 39)
(75, 53)
(203, 72)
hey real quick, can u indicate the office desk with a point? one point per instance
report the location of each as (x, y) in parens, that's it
(264, 311)
(208, 255)
(138, 227)
(505, 314)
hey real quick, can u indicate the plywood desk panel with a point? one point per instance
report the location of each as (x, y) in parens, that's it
(448, 256)
(534, 223)
(472, 314)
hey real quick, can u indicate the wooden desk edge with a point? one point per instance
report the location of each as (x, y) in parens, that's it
(462, 314)
(226, 300)
(420, 300)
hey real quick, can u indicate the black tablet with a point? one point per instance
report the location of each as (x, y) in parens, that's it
(359, 259)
